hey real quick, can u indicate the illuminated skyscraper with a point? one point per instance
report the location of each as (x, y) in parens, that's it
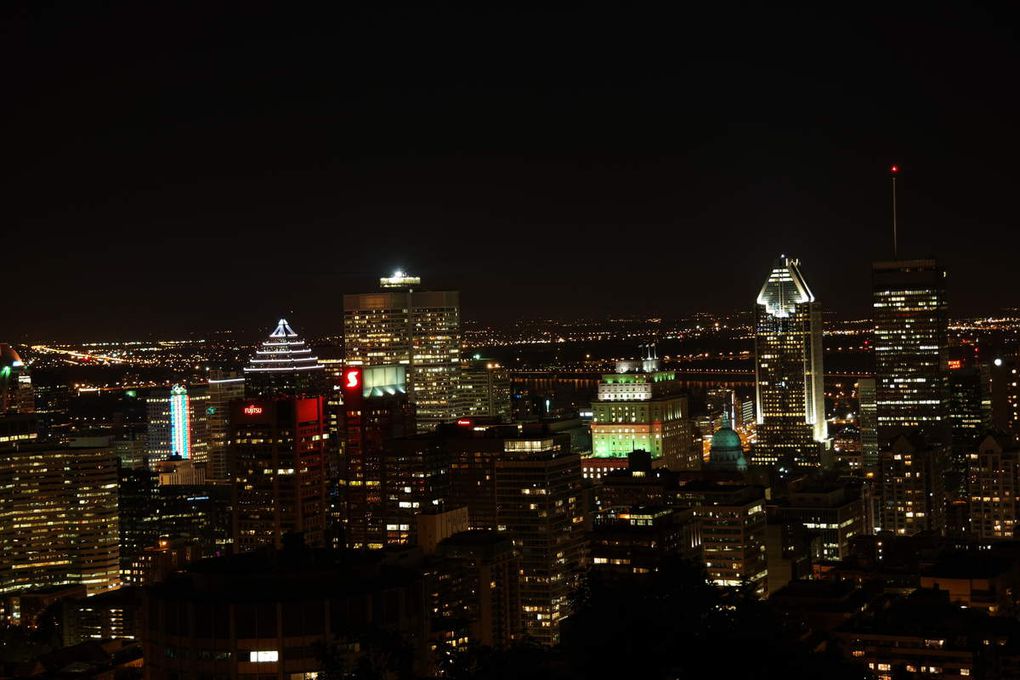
(418, 329)
(994, 489)
(640, 407)
(15, 383)
(868, 421)
(58, 515)
(376, 410)
(176, 424)
(912, 487)
(180, 422)
(485, 389)
(788, 369)
(284, 366)
(224, 387)
(910, 347)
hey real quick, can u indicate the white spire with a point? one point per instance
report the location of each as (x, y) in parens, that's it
(283, 330)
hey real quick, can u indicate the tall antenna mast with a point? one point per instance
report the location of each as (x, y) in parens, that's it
(893, 171)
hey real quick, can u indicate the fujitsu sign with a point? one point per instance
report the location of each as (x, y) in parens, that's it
(253, 410)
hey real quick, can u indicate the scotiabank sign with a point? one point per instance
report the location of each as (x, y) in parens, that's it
(352, 380)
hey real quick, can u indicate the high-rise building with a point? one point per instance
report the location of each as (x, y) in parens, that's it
(788, 370)
(867, 421)
(418, 329)
(484, 567)
(58, 515)
(376, 410)
(177, 424)
(969, 408)
(910, 347)
(539, 500)
(224, 387)
(833, 511)
(276, 452)
(640, 407)
(733, 523)
(526, 482)
(284, 366)
(15, 383)
(994, 489)
(911, 480)
(635, 540)
(485, 389)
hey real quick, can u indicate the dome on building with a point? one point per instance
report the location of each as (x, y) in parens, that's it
(726, 452)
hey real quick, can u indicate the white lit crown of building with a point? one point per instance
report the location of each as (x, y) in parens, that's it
(785, 288)
(400, 279)
(283, 352)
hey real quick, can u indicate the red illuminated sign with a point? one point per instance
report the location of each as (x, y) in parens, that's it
(464, 422)
(252, 410)
(352, 379)
(954, 364)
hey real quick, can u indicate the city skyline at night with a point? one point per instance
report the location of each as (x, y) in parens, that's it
(474, 343)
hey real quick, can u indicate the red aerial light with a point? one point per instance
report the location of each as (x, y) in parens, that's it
(252, 410)
(352, 379)
(894, 169)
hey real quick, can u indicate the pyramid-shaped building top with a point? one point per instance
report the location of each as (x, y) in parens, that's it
(283, 363)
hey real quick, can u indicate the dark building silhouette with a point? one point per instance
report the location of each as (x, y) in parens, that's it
(277, 456)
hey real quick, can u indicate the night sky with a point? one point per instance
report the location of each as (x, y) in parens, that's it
(191, 168)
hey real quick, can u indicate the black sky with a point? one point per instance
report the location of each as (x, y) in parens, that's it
(176, 167)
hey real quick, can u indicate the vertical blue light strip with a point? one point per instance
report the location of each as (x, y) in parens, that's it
(180, 430)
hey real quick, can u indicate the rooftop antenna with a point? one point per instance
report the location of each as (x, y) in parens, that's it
(893, 171)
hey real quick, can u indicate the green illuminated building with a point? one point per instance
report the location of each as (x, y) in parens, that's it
(641, 407)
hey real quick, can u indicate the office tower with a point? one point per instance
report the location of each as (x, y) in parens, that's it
(970, 404)
(539, 501)
(53, 411)
(867, 421)
(733, 525)
(994, 489)
(833, 511)
(276, 452)
(15, 383)
(224, 387)
(416, 480)
(138, 508)
(376, 411)
(483, 571)
(485, 389)
(640, 407)
(640, 485)
(129, 446)
(746, 416)
(528, 483)
(417, 329)
(176, 422)
(911, 487)
(910, 347)
(58, 515)
(788, 370)
(726, 453)
(634, 540)
(284, 366)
